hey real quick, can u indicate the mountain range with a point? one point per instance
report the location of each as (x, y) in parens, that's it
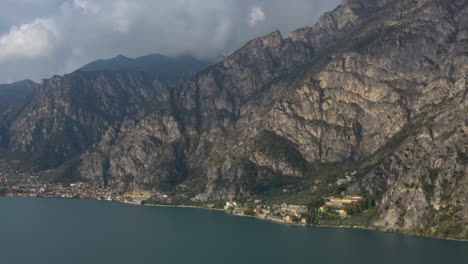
(375, 86)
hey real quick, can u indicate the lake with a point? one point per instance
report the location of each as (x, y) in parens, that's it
(36, 231)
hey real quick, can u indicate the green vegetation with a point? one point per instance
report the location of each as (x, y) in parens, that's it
(295, 219)
(68, 172)
(333, 190)
(55, 149)
(434, 173)
(446, 135)
(361, 206)
(249, 212)
(262, 180)
(279, 148)
(331, 218)
(371, 213)
(428, 188)
(448, 229)
(462, 157)
(408, 130)
(443, 223)
(328, 172)
(315, 202)
(219, 204)
(445, 184)
(410, 185)
(312, 199)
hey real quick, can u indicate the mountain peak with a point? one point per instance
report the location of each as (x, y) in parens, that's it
(166, 68)
(121, 57)
(21, 83)
(274, 34)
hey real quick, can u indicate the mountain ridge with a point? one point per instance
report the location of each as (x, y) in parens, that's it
(165, 67)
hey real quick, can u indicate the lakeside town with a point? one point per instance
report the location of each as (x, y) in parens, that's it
(284, 213)
(290, 213)
(23, 184)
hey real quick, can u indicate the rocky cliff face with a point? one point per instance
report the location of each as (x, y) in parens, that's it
(69, 114)
(380, 85)
(13, 97)
(72, 113)
(179, 131)
(373, 82)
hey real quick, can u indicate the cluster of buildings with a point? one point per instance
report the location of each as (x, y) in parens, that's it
(338, 204)
(32, 188)
(24, 184)
(285, 213)
(135, 197)
(289, 213)
(347, 178)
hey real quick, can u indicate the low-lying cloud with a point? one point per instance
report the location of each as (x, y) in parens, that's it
(47, 37)
(36, 40)
(86, 7)
(256, 15)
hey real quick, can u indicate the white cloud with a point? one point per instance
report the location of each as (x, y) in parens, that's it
(29, 41)
(223, 30)
(86, 7)
(76, 32)
(256, 15)
(123, 16)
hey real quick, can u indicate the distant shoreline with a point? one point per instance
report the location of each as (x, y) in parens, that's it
(249, 216)
(178, 206)
(292, 224)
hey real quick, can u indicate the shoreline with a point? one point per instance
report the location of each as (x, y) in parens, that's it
(255, 217)
(176, 206)
(299, 225)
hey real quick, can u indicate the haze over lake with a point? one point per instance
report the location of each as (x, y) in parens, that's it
(61, 231)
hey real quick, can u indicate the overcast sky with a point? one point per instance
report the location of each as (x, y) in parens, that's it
(39, 38)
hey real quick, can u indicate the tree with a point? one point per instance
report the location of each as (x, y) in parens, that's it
(316, 202)
(250, 212)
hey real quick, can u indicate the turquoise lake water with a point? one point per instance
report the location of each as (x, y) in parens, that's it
(37, 231)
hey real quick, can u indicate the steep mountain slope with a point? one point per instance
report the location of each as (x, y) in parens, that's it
(69, 114)
(378, 84)
(13, 98)
(154, 150)
(15, 93)
(164, 67)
